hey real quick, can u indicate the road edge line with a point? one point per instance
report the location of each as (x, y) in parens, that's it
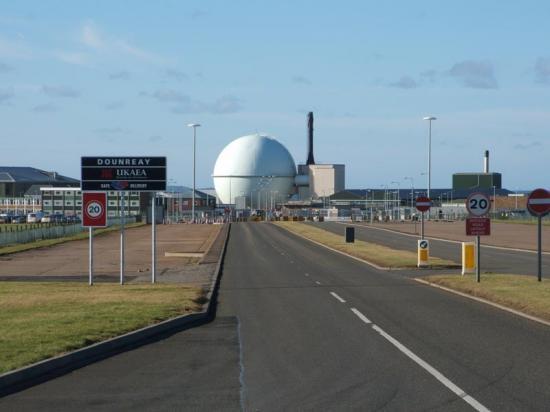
(485, 301)
(44, 370)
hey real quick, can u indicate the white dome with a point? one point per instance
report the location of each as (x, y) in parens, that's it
(252, 165)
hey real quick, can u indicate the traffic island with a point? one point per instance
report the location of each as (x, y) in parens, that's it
(379, 256)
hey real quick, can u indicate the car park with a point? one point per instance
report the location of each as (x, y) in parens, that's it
(35, 217)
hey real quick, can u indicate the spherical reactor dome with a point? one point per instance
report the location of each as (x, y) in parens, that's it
(255, 166)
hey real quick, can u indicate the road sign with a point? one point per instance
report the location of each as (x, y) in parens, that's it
(478, 204)
(94, 209)
(538, 202)
(423, 253)
(423, 244)
(478, 226)
(139, 174)
(423, 204)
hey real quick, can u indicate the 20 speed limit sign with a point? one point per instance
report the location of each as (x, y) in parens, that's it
(94, 213)
(478, 204)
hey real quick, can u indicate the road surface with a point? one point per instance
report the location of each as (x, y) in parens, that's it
(302, 328)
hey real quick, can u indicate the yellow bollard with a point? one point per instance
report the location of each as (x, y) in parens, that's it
(423, 253)
(468, 257)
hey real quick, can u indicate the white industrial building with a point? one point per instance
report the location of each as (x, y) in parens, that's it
(258, 171)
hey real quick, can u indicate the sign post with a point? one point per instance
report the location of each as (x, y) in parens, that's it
(478, 205)
(94, 214)
(538, 204)
(423, 204)
(122, 174)
(154, 238)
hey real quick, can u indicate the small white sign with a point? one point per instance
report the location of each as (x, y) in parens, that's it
(478, 204)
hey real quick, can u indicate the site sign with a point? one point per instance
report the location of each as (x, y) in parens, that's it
(94, 209)
(478, 204)
(423, 203)
(136, 174)
(478, 226)
(538, 202)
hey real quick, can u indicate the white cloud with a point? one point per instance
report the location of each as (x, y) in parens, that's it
(542, 70)
(77, 58)
(92, 37)
(15, 49)
(6, 95)
(405, 82)
(60, 91)
(475, 74)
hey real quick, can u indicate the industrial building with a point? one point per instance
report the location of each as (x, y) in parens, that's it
(478, 180)
(257, 171)
(18, 182)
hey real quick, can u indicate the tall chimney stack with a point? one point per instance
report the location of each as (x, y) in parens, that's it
(486, 162)
(310, 159)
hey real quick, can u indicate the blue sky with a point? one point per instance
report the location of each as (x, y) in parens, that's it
(124, 78)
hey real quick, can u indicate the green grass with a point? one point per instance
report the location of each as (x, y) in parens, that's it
(523, 293)
(371, 252)
(21, 247)
(41, 320)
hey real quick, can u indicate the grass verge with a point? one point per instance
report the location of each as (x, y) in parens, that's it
(21, 247)
(371, 252)
(523, 293)
(41, 320)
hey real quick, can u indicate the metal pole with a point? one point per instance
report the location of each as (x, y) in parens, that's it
(91, 257)
(153, 240)
(430, 159)
(478, 258)
(122, 238)
(194, 156)
(422, 227)
(539, 244)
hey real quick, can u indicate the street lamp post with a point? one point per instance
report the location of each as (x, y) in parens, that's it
(429, 119)
(398, 198)
(194, 126)
(412, 191)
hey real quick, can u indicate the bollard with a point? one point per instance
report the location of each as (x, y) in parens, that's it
(423, 253)
(350, 234)
(468, 257)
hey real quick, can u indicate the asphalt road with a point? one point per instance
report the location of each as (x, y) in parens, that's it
(495, 260)
(302, 328)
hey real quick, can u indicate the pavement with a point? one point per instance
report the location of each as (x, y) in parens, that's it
(493, 260)
(299, 327)
(69, 261)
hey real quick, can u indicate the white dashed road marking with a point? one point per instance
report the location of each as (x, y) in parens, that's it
(360, 315)
(337, 297)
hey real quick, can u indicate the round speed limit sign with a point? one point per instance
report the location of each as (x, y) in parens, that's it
(478, 204)
(94, 209)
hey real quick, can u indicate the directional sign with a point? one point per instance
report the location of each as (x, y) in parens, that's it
(139, 174)
(423, 244)
(538, 202)
(423, 204)
(94, 209)
(478, 226)
(478, 204)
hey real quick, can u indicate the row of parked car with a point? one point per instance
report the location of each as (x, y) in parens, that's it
(38, 217)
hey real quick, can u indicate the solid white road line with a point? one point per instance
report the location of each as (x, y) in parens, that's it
(432, 371)
(360, 315)
(337, 297)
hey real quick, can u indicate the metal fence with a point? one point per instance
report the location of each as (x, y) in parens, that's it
(49, 232)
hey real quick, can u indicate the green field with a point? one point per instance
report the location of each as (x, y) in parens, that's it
(523, 293)
(41, 320)
(371, 252)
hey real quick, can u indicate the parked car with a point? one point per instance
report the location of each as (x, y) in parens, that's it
(5, 218)
(19, 219)
(35, 217)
